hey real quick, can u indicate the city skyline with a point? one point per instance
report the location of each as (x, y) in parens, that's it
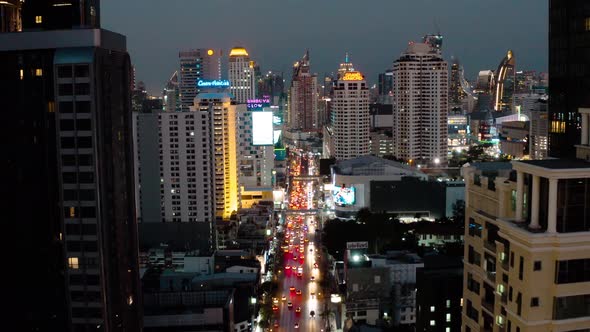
(381, 35)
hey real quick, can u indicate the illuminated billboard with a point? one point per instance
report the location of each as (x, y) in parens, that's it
(213, 84)
(262, 128)
(258, 104)
(343, 196)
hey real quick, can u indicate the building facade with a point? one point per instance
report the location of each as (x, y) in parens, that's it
(349, 121)
(569, 73)
(69, 172)
(525, 233)
(303, 97)
(196, 65)
(421, 101)
(241, 75)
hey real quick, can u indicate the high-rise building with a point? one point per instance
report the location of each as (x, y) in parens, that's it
(10, 16)
(303, 97)
(456, 91)
(196, 65)
(385, 87)
(505, 83)
(420, 111)
(349, 124)
(68, 165)
(569, 73)
(220, 115)
(241, 75)
(171, 95)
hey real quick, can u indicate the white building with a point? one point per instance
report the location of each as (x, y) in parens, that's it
(195, 65)
(186, 166)
(402, 275)
(349, 125)
(256, 162)
(420, 106)
(241, 75)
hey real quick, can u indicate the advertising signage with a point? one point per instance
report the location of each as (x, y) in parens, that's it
(343, 196)
(215, 84)
(357, 245)
(262, 128)
(258, 104)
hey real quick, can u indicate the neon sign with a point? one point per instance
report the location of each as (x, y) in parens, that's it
(258, 104)
(353, 76)
(213, 83)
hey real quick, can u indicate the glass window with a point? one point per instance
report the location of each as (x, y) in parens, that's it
(65, 89)
(64, 71)
(572, 306)
(66, 107)
(73, 263)
(82, 71)
(82, 89)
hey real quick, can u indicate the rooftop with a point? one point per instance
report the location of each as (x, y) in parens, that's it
(238, 51)
(371, 165)
(558, 163)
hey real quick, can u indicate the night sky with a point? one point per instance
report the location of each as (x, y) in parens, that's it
(374, 32)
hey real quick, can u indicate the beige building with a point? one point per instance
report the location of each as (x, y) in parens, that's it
(527, 245)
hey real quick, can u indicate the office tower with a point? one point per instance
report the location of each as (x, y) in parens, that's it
(10, 16)
(219, 114)
(420, 77)
(196, 65)
(68, 165)
(456, 91)
(171, 95)
(505, 83)
(349, 123)
(539, 131)
(58, 14)
(569, 73)
(272, 85)
(385, 87)
(241, 75)
(303, 97)
(526, 229)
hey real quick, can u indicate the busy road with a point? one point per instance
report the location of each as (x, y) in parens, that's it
(296, 305)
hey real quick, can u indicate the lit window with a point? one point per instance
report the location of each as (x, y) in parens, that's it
(448, 329)
(432, 309)
(448, 303)
(432, 323)
(461, 303)
(73, 263)
(448, 317)
(38, 72)
(72, 212)
(21, 74)
(38, 19)
(587, 24)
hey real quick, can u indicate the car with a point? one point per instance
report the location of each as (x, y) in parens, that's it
(298, 292)
(310, 249)
(290, 305)
(299, 274)
(276, 324)
(292, 288)
(275, 300)
(287, 267)
(298, 310)
(315, 265)
(312, 278)
(296, 325)
(284, 298)
(294, 257)
(312, 295)
(275, 308)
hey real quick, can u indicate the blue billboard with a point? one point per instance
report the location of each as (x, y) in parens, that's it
(343, 196)
(216, 84)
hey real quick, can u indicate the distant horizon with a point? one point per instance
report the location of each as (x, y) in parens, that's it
(372, 40)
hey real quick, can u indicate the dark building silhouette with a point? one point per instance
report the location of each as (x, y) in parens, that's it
(569, 73)
(67, 171)
(439, 296)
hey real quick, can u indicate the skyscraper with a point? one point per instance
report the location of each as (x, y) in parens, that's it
(196, 65)
(171, 94)
(219, 113)
(456, 92)
(569, 73)
(303, 97)
(68, 166)
(349, 123)
(241, 75)
(505, 84)
(420, 129)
